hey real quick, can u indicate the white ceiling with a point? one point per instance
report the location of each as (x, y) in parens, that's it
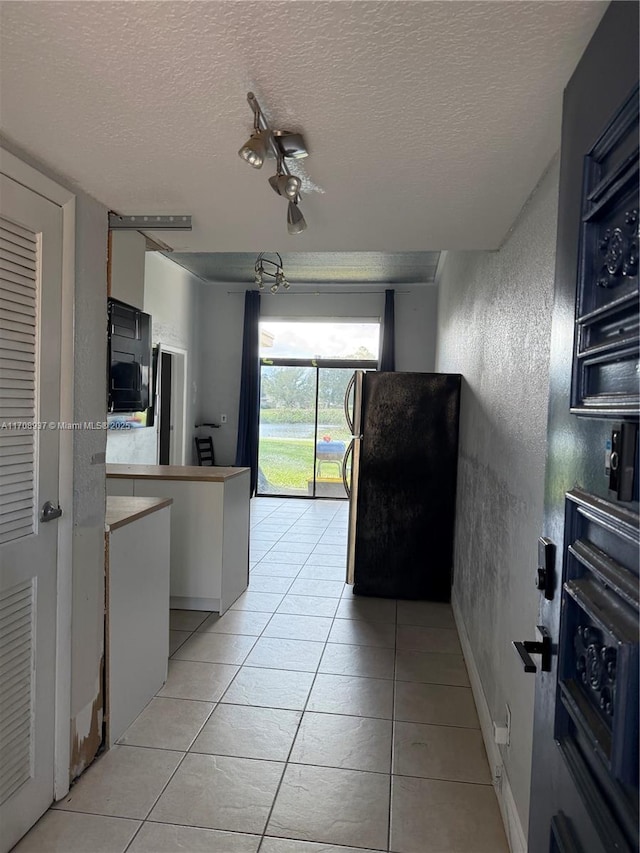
(428, 123)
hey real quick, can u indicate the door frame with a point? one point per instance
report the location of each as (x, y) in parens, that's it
(179, 389)
(33, 180)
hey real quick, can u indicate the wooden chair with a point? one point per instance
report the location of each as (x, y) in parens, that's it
(204, 451)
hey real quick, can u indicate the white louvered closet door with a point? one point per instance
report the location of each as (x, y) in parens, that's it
(30, 298)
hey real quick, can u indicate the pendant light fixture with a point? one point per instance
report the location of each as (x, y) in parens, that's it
(265, 267)
(283, 144)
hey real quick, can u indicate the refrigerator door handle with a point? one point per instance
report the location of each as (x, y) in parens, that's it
(347, 413)
(345, 482)
(354, 449)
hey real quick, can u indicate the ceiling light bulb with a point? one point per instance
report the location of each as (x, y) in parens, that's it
(274, 288)
(255, 149)
(286, 185)
(295, 220)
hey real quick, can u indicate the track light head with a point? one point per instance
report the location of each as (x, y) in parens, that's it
(295, 220)
(274, 288)
(291, 144)
(283, 145)
(286, 185)
(254, 150)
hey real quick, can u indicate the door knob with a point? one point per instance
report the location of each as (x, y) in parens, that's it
(49, 512)
(526, 648)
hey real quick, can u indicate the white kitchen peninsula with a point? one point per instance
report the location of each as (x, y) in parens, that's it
(209, 527)
(137, 549)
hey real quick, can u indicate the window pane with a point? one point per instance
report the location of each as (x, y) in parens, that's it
(279, 339)
(287, 430)
(333, 434)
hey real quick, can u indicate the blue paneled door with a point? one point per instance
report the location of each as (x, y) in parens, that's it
(584, 793)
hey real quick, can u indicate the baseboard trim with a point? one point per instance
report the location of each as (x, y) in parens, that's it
(181, 602)
(510, 817)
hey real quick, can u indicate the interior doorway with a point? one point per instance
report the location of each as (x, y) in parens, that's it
(172, 405)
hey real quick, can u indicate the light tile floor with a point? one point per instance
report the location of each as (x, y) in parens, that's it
(304, 720)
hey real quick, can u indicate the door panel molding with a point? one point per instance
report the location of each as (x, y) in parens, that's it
(579, 771)
(607, 340)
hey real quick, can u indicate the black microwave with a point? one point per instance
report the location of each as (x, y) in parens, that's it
(128, 358)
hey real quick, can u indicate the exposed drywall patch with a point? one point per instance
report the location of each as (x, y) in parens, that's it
(86, 731)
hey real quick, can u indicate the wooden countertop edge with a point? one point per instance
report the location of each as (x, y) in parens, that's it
(187, 473)
(124, 510)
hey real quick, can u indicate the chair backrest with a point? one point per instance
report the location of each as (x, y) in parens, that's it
(204, 451)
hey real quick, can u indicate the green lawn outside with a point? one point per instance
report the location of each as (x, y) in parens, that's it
(287, 463)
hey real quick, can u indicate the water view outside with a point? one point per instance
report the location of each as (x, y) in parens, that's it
(303, 430)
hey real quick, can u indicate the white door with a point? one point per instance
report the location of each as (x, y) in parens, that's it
(30, 304)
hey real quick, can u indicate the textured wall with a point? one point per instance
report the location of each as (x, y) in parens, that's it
(221, 321)
(494, 323)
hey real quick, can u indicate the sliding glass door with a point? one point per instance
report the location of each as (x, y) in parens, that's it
(287, 429)
(305, 370)
(303, 429)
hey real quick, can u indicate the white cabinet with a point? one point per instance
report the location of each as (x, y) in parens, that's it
(137, 572)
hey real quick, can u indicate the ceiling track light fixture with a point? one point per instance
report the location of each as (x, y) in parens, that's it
(283, 144)
(271, 269)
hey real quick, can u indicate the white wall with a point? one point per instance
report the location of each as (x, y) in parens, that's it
(494, 325)
(221, 322)
(172, 298)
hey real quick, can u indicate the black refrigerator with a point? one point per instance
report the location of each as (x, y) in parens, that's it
(403, 462)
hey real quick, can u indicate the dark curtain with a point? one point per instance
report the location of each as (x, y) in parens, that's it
(248, 413)
(387, 360)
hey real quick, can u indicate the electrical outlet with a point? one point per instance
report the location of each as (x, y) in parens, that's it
(223, 419)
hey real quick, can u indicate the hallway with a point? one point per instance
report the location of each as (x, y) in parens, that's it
(302, 715)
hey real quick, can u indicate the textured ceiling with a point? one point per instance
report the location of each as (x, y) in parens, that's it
(428, 123)
(317, 267)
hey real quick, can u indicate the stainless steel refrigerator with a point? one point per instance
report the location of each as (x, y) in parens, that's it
(400, 474)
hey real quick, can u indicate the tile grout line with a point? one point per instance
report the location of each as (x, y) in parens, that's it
(180, 763)
(287, 762)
